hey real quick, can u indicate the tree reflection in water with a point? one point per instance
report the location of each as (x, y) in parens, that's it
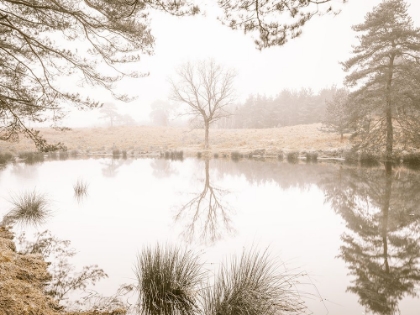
(207, 214)
(111, 166)
(382, 247)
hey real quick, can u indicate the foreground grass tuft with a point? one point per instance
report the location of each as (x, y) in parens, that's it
(253, 285)
(168, 280)
(29, 208)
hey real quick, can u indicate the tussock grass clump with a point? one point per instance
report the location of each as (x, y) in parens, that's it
(174, 155)
(235, 155)
(253, 285)
(216, 155)
(53, 155)
(80, 188)
(311, 156)
(168, 279)
(199, 155)
(29, 208)
(293, 157)
(124, 154)
(5, 157)
(74, 153)
(63, 155)
(116, 153)
(412, 160)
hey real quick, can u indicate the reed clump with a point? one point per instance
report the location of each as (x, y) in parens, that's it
(311, 157)
(292, 157)
(168, 280)
(31, 157)
(80, 188)
(173, 155)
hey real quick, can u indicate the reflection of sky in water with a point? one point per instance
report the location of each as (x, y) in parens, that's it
(134, 202)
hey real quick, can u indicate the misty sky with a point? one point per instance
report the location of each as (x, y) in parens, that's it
(311, 60)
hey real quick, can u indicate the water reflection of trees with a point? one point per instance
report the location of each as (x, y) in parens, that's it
(381, 208)
(163, 168)
(286, 175)
(111, 166)
(207, 215)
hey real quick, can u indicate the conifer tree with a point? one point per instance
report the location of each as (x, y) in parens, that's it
(336, 119)
(386, 59)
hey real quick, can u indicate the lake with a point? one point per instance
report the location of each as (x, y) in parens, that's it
(354, 231)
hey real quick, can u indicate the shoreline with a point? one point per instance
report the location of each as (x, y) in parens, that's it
(22, 281)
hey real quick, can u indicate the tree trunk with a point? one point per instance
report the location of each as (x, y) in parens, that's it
(206, 134)
(388, 112)
(385, 213)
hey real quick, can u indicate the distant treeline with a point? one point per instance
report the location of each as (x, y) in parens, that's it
(289, 107)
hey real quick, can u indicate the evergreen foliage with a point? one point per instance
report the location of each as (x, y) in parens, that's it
(384, 71)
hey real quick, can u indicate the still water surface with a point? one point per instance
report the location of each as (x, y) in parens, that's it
(355, 231)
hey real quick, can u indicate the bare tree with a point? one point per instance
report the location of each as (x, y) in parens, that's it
(207, 88)
(206, 214)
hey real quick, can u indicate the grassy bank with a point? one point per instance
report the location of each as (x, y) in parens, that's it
(22, 281)
(139, 139)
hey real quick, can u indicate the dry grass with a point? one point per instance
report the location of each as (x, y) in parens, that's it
(29, 208)
(253, 284)
(147, 138)
(22, 280)
(22, 283)
(168, 278)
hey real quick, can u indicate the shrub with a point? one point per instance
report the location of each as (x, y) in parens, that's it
(199, 155)
(168, 278)
(216, 155)
(116, 153)
(253, 285)
(124, 154)
(293, 157)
